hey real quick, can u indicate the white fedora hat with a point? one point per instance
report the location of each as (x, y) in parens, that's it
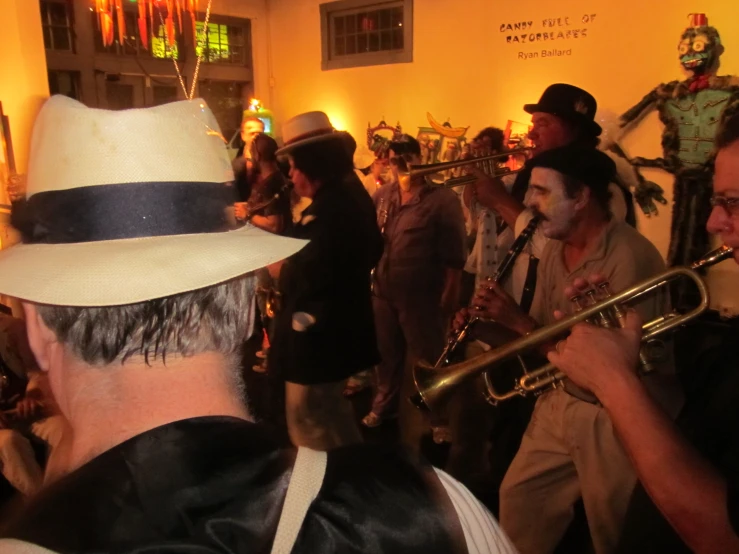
(129, 206)
(307, 128)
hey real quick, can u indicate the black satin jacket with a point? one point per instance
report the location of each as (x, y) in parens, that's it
(217, 484)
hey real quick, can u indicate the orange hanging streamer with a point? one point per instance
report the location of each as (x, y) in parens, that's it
(170, 23)
(109, 28)
(121, 22)
(192, 7)
(101, 9)
(106, 21)
(151, 18)
(179, 14)
(143, 31)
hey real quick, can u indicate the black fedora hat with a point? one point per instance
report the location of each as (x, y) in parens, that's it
(589, 166)
(570, 103)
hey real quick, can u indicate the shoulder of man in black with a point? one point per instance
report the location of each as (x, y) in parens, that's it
(710, 421)
(391, 501)
(345, 211)
(209, 482)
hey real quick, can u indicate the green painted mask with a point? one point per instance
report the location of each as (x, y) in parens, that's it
(700, 49)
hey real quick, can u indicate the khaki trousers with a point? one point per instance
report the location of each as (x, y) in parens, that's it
(569, 451)
(319, 416)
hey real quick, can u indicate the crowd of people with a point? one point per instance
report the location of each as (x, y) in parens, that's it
(126, 424)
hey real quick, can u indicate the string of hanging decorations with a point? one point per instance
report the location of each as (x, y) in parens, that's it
(112, 10)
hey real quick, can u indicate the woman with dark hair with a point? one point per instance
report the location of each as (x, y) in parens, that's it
(324, 330)
(268, 208)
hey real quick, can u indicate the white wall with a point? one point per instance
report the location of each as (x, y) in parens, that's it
(23, 81)
(23, 88)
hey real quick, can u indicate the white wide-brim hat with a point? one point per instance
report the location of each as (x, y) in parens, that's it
(129, 206)
(307, 128)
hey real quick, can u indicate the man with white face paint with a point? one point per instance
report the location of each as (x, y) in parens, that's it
(564, 115)
(570, 449)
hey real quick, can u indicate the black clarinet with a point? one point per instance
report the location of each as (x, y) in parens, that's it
(500, 274)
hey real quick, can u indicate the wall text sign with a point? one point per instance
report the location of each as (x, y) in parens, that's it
(549, 32)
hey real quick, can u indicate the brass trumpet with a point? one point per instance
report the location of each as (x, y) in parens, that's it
(435, 386)
(486, 164)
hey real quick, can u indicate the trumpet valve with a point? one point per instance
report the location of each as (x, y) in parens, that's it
(650, 353)
(576, 302)
(601, 319)
(617, 310)
(592, 299)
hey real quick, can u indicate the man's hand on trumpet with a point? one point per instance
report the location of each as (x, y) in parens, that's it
(596, 358)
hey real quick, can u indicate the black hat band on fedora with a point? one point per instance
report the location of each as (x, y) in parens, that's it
(124, 211)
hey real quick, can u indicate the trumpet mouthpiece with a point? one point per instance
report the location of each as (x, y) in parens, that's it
(713, 257)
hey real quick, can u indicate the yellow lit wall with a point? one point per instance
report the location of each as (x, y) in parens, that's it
(23, 80)
(23, 87)
(465, 71)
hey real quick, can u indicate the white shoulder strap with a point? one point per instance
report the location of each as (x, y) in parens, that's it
(305, 482)
(12, 546)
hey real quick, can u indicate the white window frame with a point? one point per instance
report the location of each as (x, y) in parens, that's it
(346, 7)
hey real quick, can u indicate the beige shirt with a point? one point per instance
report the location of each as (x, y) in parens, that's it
(625, 257)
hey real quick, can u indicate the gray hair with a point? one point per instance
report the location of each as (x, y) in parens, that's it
(213, 319)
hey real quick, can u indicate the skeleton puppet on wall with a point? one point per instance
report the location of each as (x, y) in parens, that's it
(691, 111)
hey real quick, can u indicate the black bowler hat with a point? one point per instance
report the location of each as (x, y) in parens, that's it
(571, 104)
(589, 166)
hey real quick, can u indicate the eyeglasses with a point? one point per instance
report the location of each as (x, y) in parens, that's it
(730, 205)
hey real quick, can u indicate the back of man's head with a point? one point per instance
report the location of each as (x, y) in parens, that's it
(406, 145)
(263, 148)
(212, 319)
(129, 248)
